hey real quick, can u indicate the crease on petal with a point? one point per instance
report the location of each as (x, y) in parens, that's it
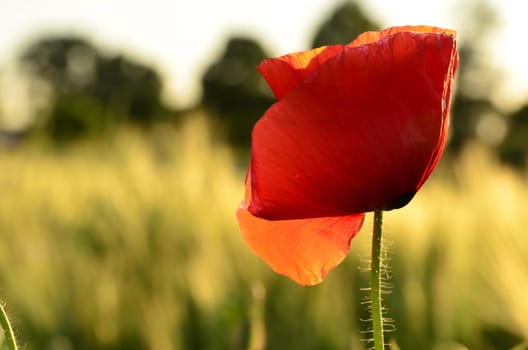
(285, 72)
(304, 250)
(370, 37)
(447, 94)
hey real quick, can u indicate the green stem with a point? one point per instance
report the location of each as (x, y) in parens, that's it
(9, 335)
(375, 282)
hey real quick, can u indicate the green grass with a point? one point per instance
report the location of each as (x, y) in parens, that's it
(132, 243)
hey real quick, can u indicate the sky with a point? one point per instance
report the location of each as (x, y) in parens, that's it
(181, 37)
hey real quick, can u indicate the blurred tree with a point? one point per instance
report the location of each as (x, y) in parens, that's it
(468, 113)
(87, 91)
(129, 89)
(235, 92)
(68, 64)
(514, 148)
(344, 25)
(476, 79)
(75, 115)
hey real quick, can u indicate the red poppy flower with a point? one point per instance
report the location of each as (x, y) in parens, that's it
(356, 128)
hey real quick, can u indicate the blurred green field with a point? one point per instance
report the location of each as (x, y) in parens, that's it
(132, 243)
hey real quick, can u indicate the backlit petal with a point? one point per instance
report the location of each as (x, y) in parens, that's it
(285, 72)
(370, 37)
(305, 250)
(361, 133)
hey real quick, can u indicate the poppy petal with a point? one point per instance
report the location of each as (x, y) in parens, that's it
(360, 133)
(305, 250)
(370, 37)
(285, 72)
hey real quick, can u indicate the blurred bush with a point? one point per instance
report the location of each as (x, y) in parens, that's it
(234, 92)
(345, 23)
(475, 117)
(89, 93)
(514, 148)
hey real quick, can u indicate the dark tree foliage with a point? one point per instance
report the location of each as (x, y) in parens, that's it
(344, 25)
(91, 92)
(235, 92)
(467, 108)
(67, 63)
(514, 149)
(475, 78)
(75, 115)
(131, 89)
(466, 114)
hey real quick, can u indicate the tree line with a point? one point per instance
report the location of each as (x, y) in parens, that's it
(90, 93)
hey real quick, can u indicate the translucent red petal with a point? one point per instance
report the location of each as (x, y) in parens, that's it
(284, 73)
(305, 250)
(362, 132)
(370, 37)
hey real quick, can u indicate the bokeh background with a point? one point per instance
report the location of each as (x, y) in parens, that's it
(124, 138)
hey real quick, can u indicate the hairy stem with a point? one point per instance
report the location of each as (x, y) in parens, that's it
(9, 335)
(375, 282)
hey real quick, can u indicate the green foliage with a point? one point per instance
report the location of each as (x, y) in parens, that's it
(235, 92)
(89, 92)
(68, 64)
(476, 79)
(344, 25)
(466, 113)
(514, 148)
(75, 116)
